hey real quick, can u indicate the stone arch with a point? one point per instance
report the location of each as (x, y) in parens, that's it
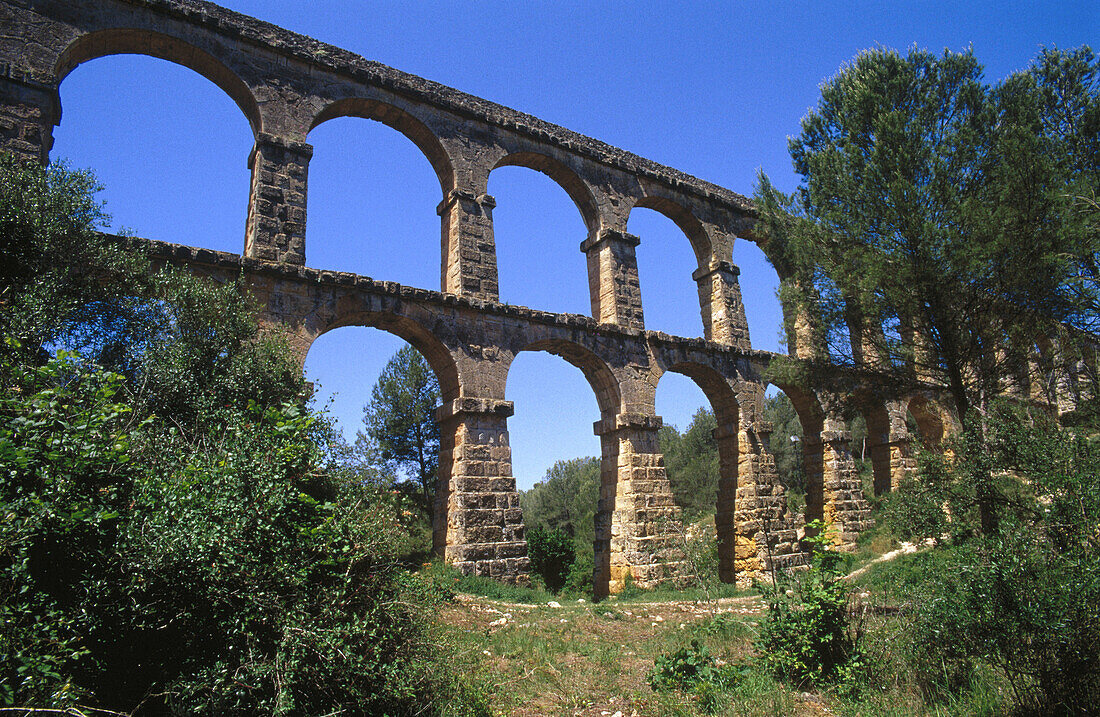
(605, 385)
(727, 413)
(880, 444)
(688, 223)
(402, 121)
(811, 414)
(577, 189)
(932, 420)
(133, 41)
(438, 355)
(598, 374)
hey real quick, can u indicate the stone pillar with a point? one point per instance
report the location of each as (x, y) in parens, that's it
(725, 519)
(469, 250)
(613, 278)
(721, 305)
(478, 523)
(843, 508)
(636, 519)
(29, 110)
(891, 448)
(276, 228)
(766, 538)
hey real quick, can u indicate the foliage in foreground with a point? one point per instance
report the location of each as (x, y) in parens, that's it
(1026, 599)
(171, 542)
(808, 638)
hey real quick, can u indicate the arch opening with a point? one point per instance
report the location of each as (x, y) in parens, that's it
(928, 420)
(683, 218)
(797, 423)
(557, 460)
(702, 462)
(561, 175)
(382, 393)
(665, 266)
(371, 204)
(133, 41)
(876, 446)
(537, 239)
(759, 282)
(395, 118)
(133, 119)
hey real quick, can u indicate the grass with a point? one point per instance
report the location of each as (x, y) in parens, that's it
(585, 658)
(529, 657)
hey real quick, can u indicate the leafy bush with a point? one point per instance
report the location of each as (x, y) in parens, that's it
(172, 542)
(551, 554)
(225, 577)
(1025, 599)
(693, 668)
(684, 667)
(807, 639)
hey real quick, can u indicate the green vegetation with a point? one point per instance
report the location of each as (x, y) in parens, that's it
(182, 535)
(691, 462)
(939, 219)
(399, 428)
(173, 541)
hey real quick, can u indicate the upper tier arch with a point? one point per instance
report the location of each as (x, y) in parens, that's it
(137, 41)
(688, 223)
(400, 120)
(577, 189)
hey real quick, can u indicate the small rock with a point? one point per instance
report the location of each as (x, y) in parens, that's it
(553, 603)
(659, 619)
(617, 714)
(581, 601)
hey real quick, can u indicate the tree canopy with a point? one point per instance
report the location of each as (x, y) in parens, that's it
(942, 227)
(173, 542)
(399, 421)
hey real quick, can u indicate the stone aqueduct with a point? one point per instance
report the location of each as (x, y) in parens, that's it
(286, 84)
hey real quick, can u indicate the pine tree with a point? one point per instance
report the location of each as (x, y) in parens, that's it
(399, 420)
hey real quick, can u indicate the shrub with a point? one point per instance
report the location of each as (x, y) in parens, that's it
(807, 638)
(1024, 599)
(146, 573)
(551, 554)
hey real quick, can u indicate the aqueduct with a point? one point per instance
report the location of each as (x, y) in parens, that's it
(287, 84)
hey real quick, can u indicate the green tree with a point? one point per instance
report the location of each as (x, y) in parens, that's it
(565, 499)
(1025, 600)
(400, 423)
(935, 238)
(58, 274)
(933, 203)
(691, 463)
(172, 543)
(564, 503)
(786, 441)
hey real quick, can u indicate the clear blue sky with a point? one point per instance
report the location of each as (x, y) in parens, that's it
(713, 89)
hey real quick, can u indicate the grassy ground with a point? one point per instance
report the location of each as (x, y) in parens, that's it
(533, 653)
(594, 659)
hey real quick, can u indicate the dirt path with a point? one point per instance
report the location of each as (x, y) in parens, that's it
(904, 549)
